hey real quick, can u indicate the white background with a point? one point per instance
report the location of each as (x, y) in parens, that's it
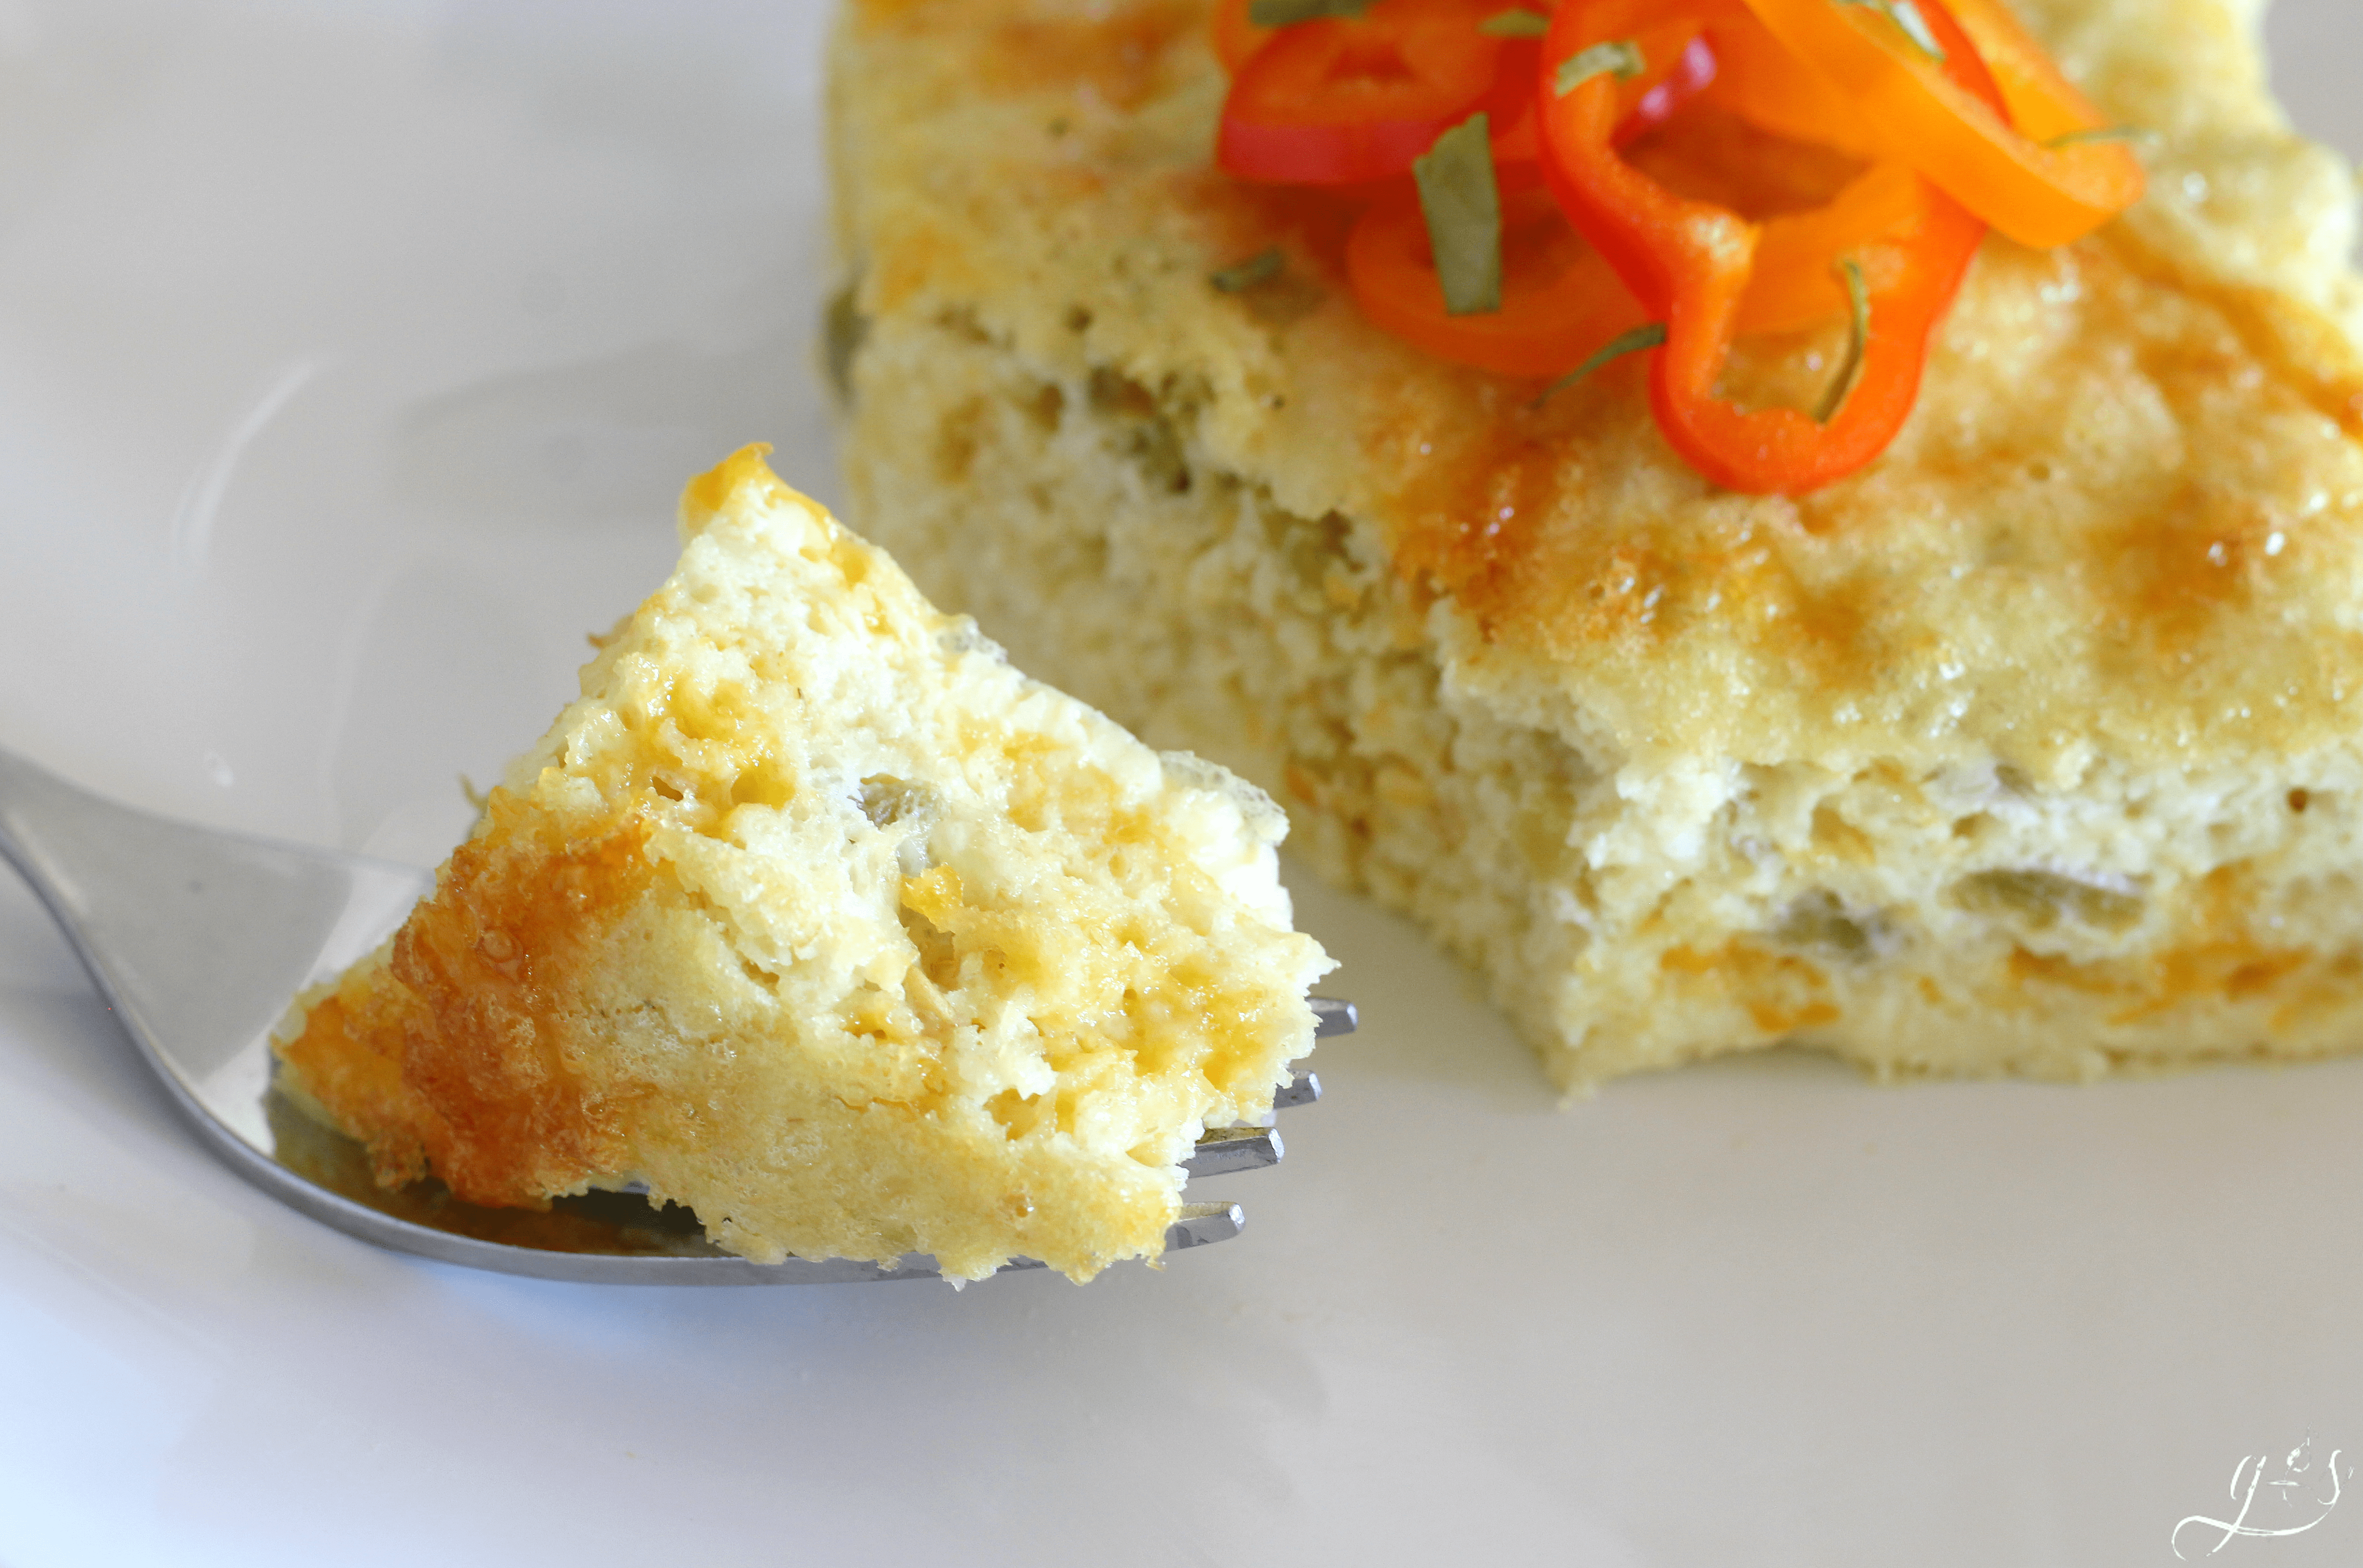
(351, 359)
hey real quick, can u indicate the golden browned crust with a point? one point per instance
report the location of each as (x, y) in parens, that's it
(2110, 435)
(2029, 747)
(471, 1055)
(816, 917)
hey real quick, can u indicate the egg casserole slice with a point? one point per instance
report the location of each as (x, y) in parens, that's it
(2033, 747)
(815, 916)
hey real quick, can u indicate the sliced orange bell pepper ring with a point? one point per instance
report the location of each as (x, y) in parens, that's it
(1795, 281)
(1795, 284)
(1759, 80)
(1690, 264)
(2043, 104)
(2040, 192)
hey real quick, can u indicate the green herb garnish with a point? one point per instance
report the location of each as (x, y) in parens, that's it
(1651, 334)
(1857, 341)
(1906, 16)
(1288, 13)
(1514, 24)
(1463, 208)
(843, 330)
(1621, 57)
(1261, 267)
(2100, 133)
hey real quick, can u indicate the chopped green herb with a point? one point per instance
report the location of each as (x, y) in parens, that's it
(843, 330)
(1514, 24)
(1916, 27)
(1261, 267)
(1288, 13)
(2100, 133)
(1650, 335)
(1906, 16)
(1620, 56)
(1463, 208)
(1857, 341)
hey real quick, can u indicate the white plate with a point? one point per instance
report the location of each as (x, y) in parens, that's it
(350, 358)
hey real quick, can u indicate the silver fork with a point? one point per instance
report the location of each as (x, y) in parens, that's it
(198, 939)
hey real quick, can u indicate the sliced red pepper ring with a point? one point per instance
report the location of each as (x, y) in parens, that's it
(1795, 283)
(1900, 88)
(1681, 67)
(1642, 229)
(1305, 118)
(1674, 68)
(1665, 90)
(1345, 99)
(1559, 300)
(1236, 36)
(1962, 138)
(1909, 282)
(1691, 264)
(1516, 140)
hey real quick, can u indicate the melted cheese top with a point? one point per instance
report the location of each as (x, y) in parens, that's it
(2127, 513)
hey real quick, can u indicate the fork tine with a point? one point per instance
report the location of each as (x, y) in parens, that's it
(1224, 1149)
(1302, 1089)
(1202, 1224)
(1333, 1015)
(312, 912)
